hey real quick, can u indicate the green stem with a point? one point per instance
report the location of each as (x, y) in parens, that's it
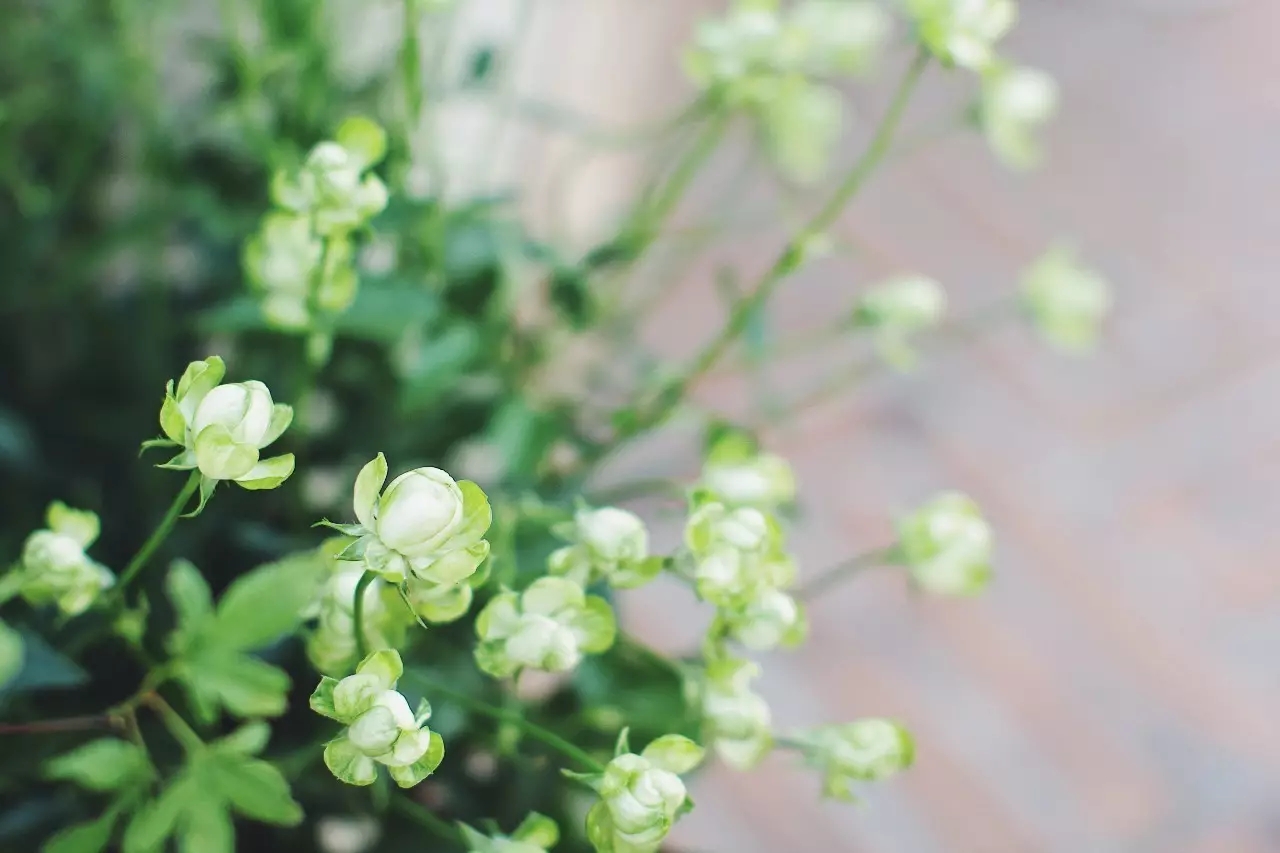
(425, 818)
(658, 205)
(513, 717)
(159, 534)
(357, 611)
(787, 262)
(842, 571)
(178, 727)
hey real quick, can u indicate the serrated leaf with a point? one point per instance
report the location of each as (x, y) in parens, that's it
(90, 837)
(207, 828)
(107, 764)
(245, 686)
(255, 789)
(265, 604)
(155, 821)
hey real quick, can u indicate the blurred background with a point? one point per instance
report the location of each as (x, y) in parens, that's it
(1116, 689)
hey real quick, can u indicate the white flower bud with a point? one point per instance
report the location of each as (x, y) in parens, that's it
(1066, 301)
(772, 618)
(547, 627)
(764, 481)
(55, 568)
(1015, 103)
(963, 32)
(736, 720)
(947, 545)
(419, 511)
(641, 795)
(243, 408)
(865, 750)
(611, 544)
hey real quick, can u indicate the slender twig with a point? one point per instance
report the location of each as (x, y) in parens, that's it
(89, 722)
(158, 536)
(790, 259)
(357, 617)
(178, 727)
(843, 571)
(511, 716)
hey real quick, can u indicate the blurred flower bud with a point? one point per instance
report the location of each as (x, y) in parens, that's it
(55, 568)
(947, 545)
(547, 627)
(1066, 301)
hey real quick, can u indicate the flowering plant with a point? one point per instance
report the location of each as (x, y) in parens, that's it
(183, 667)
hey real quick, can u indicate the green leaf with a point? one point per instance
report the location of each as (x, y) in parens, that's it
(107, 764)
(249, 739)
(255, 789)
(207, 828)
(155, 821)
(266, 603)
(43, 668)
(192, 600)
(247, 687)
(90, 837)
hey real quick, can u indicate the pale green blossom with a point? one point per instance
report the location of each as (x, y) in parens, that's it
(1066, 301)
(610, 544)
(284, 262)
(898, 309)
(947, 544)
(222, 428)
(380, 727)
(736, 722)
(739, 475)
(772, 64)
(55, 568)
(861, 751)
(1016, 103)
(641, 796)
(963, 32)
(425, 530)
(769, 618)
(536, 834)
(548, 627)
(333, 190)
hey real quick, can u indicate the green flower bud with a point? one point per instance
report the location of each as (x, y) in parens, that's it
(332, 190)
(331, 646)
(380, 728)
(425, 528)
(54, 567)
(641, 796)
(222, 428)
(962, 32)
(536, 834)
(898, 309)
(771, 618)
(609, 543)
(736, 721)
(947, 545)
(281, 260)
(1016, 102)
(1066, 301)
(865, 750)
(740, 476)
(547, 627)
(714, 526)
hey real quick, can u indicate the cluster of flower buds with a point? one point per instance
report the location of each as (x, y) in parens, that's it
(738, 565)
(331, 645)
(736, 721)
(963, 32)
(609, 544)
(222, 429)
(55, 568)
(548, 627)
(536, 834)
(302, 258)
(641, 795)
(862, 751)
(424, 532)
(896, 310)
(380, 727)
(1066, 301)
(772, 62)
(737, 474)
(946, 544)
